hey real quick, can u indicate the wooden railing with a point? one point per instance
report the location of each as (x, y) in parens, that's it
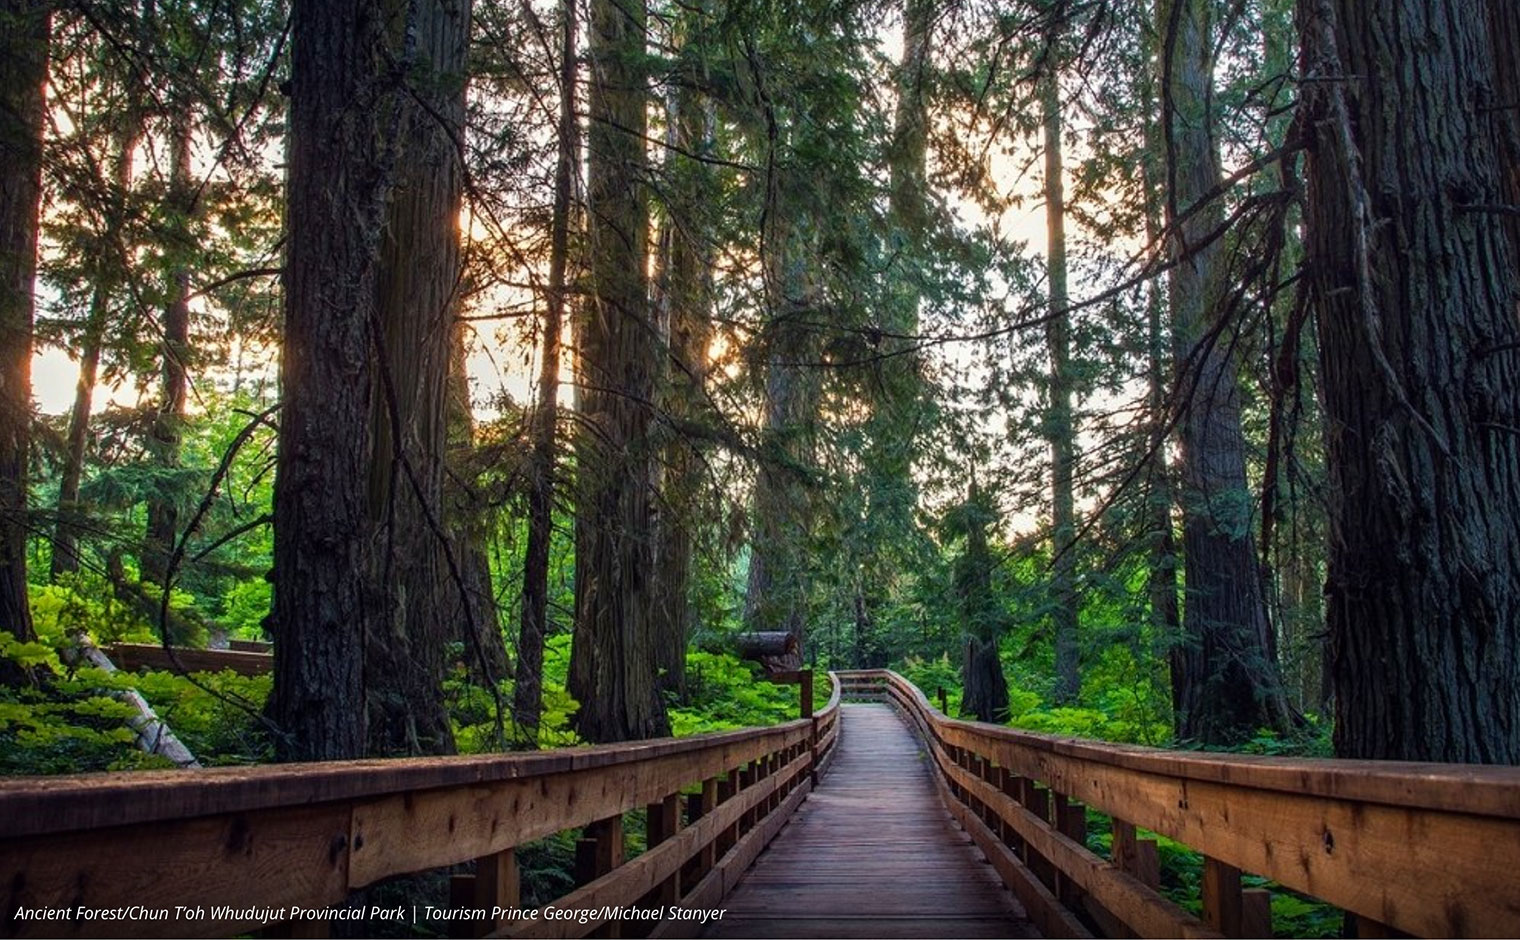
(1423, 849)
(249, 660)
(228, 850)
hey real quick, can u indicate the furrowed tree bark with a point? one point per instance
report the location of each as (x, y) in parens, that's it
(688, 333)
(1502, 102)
(1230, 683)
(23, 77)
(528, 691)
(612, 665)
(1059, 423)
(1415, 287)
(164, 437)
(416, 291)
(325, 603)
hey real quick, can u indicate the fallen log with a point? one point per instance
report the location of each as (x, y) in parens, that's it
(776, 650)
(154, 735)
(765, 643)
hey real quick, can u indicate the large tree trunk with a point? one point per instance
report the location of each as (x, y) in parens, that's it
(528, 691)
(1230, 684)
(324, 601)
(1161, 531)
(23, 76)
(416, 292)
(164, 438)
(472, 609)
(1059, 425)
(884, 539)
(612, 666)
(776, 596)
(684, 296)
(1416, 278)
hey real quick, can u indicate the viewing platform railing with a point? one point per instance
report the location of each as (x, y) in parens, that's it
(1422, 849)
(231, 850)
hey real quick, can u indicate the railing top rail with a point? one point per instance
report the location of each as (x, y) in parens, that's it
(31, 806)
(834, 696)
(1464, 788)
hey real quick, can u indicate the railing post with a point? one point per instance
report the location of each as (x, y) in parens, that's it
(1134, 855)
(747, 777)
(598, 852)
(498, 884)
(812, 747)
(1229, 909)
(1221, 896)
(699, 805)
(1071, 821)
(991, 774)
(728, 787)
(1037, 801)
(973, 764)
(664, 821)
(1008, 783)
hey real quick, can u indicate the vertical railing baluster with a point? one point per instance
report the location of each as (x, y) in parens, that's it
(598, 852)
(664, 821)
(1228, 908)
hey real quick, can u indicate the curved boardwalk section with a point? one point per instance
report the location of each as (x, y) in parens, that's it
(872, 853)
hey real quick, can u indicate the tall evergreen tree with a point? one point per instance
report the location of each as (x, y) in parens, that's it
(417, 290)
(776, 596)
(24, 27)
(612, 664)
(1230, 685)
(685, 322)
(174, 354)
(527, 693)
(107, 274)
(325, 602)
(1060, 427)
(1415, 281)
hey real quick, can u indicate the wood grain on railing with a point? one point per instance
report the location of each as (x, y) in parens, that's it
(306, 835)
(1426, 849)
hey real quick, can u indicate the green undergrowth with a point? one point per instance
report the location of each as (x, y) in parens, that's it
(1103, 713)
(724, 692)
(70, 721)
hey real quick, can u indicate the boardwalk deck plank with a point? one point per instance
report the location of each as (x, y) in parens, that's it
(872, 853)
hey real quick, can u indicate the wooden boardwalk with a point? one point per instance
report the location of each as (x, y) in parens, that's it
(872, 853)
